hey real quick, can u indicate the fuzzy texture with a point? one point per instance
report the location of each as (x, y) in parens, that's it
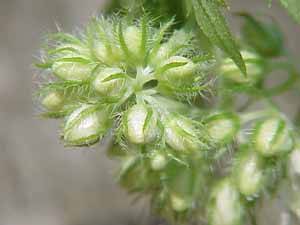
(170, 104)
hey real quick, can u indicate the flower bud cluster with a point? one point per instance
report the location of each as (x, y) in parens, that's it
(144, 84)
(114, 65)
(127, 77)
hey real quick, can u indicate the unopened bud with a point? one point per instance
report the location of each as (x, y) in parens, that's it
(181, 134)
(222, 127)
(178, 68)
(53, 101)
(133, 39)
(109, 82)
(178, 203)
(158, 162)
(250, 174)
(273, 137)
(72, 70)
(107, 55)
(141, 124)
(85, 125)
(229, 70)
(226, 207)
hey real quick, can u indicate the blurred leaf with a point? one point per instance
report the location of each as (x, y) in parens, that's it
(293, 6)
(266, 39)
(213, 24)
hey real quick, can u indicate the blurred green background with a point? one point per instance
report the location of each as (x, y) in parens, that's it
(41, 182)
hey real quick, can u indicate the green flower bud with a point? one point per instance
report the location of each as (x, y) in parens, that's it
(133, 39)
(141, 124)
(250, 176)
(178, 68)
(181, 134)
(53, 101)
(72, 70)
(85, 125)
(110, 82)
(273, 137)
(161, 56)
(104, 54)
(178, 203)
(226, 207)
(222, 127)
(158, 162)
(168, 49)
(253, 62)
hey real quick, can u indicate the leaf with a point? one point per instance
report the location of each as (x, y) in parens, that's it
(265, 38)
(293, 6)
(213, 25)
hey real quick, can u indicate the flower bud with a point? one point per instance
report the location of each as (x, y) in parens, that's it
(250, 174)
(85, 125)
(169, 48)
(229, 70)
(161, 56)
(72, 70)
(178, 203)
(133, 39)
(108, 56)
(109, 82)
(158, 162)
(178, 68)
(273, 137)
(226, 207)
(222, 127)
(181, 134)
(53, 101)
(141, 124)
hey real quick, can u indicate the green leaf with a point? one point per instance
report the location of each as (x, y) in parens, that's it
(293, 6)
(213, 25)
(265, 38)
